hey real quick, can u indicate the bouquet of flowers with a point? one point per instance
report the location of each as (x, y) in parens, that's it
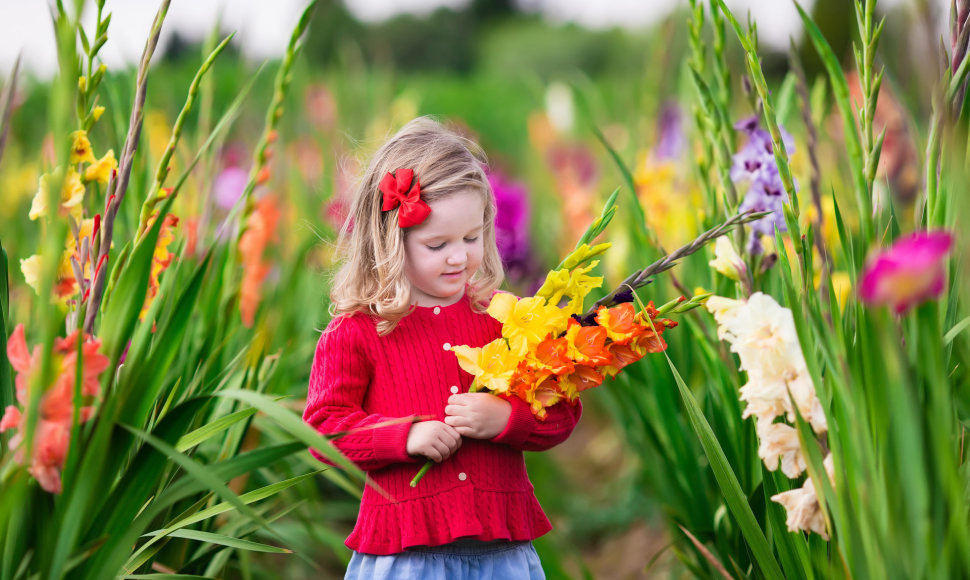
(550, 352)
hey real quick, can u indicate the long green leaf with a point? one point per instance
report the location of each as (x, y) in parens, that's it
(147, 377)
(225, 470)
(165, 577)
(223, 540)
(295, 427)
(196, 470)
(246, 498)
(733, 495)
(208, 430)
(853, 143)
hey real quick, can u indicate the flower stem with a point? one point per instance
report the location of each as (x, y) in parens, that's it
(642, 277)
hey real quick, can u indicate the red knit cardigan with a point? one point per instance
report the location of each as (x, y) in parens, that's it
(482, 491)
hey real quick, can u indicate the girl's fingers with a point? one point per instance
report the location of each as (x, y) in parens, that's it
(454, 409)
(458, 399)
(434, 455)
(466, 431)
(454, 421)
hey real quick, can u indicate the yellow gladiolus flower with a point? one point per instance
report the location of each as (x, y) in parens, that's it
(557, 281)
(101, 169)
(72, 194)
(579, 286)
(492, 364)
(81, 148)
(526, 322)
(583, 253)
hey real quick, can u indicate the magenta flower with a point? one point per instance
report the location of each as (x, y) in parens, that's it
(908, 273)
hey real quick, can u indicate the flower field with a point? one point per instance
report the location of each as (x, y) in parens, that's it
(790, 222)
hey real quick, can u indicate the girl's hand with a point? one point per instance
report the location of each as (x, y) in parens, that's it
(433, 439)
(478, 415)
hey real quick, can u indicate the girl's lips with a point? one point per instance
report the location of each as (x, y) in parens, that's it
(453, 274)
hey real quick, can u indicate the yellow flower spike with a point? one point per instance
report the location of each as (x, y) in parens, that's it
(101, 169)
(583, 253)
(555, 286)
(81, 148)
(526, 322)
(82, 84)
(492, 365)
(72, 193)
(97, 112)
(579, 286)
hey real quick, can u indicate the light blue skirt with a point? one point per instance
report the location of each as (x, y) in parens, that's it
(462, 559)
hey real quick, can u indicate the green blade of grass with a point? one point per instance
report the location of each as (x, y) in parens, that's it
(208, 430)
(223, 540)
(727, 480)
(246, 498)
(853, 142)
(295, 427)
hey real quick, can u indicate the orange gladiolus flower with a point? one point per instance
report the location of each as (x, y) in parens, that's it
(553, 356)
(260, 230)
(623, 355)
(585, 377)
(587, 344)
(161, 260)
(620, 322)
(52, 432)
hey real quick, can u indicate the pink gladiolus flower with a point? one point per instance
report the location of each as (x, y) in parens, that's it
(51, 437)
(908, 273)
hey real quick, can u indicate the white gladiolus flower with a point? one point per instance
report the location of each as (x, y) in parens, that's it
(804, 511)
(780, 441)
(763, 335)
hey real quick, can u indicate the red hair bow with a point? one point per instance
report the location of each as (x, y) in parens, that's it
(402, 189)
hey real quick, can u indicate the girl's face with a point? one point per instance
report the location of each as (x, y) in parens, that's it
(444, 252)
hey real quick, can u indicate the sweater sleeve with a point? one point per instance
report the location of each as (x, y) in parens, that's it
(339, 379)
(527, 433)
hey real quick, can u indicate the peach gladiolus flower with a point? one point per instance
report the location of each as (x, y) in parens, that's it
(51, 437)
(260, 230)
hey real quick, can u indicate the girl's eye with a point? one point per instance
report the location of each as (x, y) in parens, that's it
(436, 248)
(470, 240)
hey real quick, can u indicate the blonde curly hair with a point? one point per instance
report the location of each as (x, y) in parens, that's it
(371, 278)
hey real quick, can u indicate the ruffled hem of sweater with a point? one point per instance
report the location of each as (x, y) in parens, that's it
(446, 516)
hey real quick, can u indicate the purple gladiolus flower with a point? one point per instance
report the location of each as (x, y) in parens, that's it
(511, 224)
(671, 139)
(755, 163)
(908, 273)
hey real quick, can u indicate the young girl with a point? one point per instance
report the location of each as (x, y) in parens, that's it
(420, 267)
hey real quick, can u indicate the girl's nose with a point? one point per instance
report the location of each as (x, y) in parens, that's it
(457, 258)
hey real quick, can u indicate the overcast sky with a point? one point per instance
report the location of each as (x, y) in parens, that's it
(263, 26)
